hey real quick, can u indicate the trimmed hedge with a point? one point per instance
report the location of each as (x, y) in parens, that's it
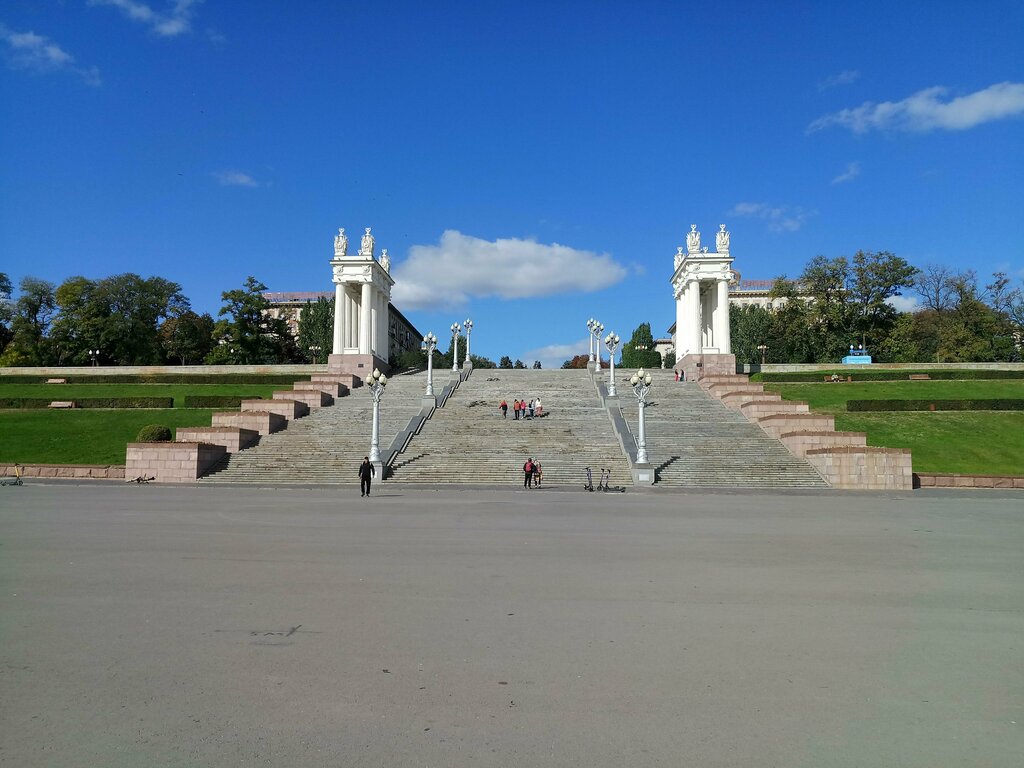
(217, 401)
(168, 378)
(887, 375)
(993, 404)
(90, 402)
(154, 433)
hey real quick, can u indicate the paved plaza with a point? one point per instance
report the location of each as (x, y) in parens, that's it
(217, 626)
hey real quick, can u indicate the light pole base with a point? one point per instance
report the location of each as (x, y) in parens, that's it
(379, 467)
(592, 367)
(643, 474)
(429, 401)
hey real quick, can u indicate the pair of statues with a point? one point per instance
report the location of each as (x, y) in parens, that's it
(366, 248)
(693, 241)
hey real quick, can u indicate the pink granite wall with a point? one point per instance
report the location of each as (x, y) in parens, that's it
(936, 480)
(290, 409)
(263, 422)
(234, 439)
(75, 471)
(313, 398)
(171, 462)
(864, 468)
(799, 442)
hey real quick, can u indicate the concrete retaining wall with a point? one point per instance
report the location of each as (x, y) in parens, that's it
(864, 468)
(801, 441)
(936, 480)
(76, 471)
(171, 462)
(234, 439)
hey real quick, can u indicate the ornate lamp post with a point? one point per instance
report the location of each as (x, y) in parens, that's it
(430, 344)
(641, 383)
(314, 351)
(763, 349)
(376, 385)
(590, 332)
(456, 328)
(468, 325)
(596, 330)
(612, 342)
(94, 355)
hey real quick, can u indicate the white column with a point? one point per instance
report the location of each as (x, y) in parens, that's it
(722, 339)
(339, 318)
(365, 319)
(385, 327)
(353, 318)
(693, 289)
(680, 340)
(707, 316)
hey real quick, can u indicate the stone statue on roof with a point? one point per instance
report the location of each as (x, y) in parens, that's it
(722, 239)
(340, 244)
(679, 256)
(366, 247)
(693, 240)
(385, 260)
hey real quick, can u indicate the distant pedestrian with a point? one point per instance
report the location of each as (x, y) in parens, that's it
(366, 473)
(677, 374)
(538, 409)
(504, 409)
(528, 474)
(538, 473)
(532, 404)
(515, 410)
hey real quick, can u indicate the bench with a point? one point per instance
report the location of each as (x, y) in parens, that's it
(919, 377)
(56, 381)
(62, 404)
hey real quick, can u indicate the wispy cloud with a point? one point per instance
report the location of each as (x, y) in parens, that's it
(235, 179)
(174, 21)
(852, 172)
(904, 303)
(461, 267)
(926, 111)
(780, 218)
(845, 77)
(37, 53)
(553, 355)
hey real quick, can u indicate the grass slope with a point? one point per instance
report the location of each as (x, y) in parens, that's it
(177, 391)
(975, 442)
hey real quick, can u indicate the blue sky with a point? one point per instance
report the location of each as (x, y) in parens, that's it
(206, 141)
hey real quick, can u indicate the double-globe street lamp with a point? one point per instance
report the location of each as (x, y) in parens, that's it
(612, 342)
(596, 328)
(641, 383)
(468, 325)
(456, 328)
(376, 386)
(314, 351)
(94, 355)
(430, 344)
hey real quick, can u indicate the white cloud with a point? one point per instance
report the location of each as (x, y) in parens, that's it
(925, 111)
(36, 53)
(176, 20)
(852, 172)
(553, 355)
(845, 77)
(235, 179)
(904, 303)
(780, 218)
(462, 267)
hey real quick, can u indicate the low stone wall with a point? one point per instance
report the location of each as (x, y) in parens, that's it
(864, 468)
(801, 441)
(937, 480)
(332, 388)
(792, 422)
(737, 400)
(290, 409)
(152, 370)
(171, 462)
(234, 439)
(760, 408)
(313, 398)
(263, 422)
(75, 471)
(812, 367)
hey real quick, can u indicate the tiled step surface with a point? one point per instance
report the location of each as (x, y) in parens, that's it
(693, 439)
(469, 442)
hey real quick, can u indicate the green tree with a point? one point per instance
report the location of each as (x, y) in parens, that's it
(876, 277)
(187, 337)
(505, 362)
(750, 326)
(316, 328)
(246, 333)
(6, 311)
(519, 365)
(32, 316)
(536, 365)
(579, 361)
(639, 351)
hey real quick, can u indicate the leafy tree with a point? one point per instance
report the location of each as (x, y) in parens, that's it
(187, 337)
(877, 277)
(519, 365)
(32, 315)
(413, 359)
(749, 327)
(246, 333)
(536, 365)
(934, 284)
(639, 351)
(505, 362)
(482, 362)
(316, 327)
(6, 311)
(579, 361)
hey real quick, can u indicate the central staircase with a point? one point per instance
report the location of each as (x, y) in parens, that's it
(468, 441)
(329, 445)
(695, 440)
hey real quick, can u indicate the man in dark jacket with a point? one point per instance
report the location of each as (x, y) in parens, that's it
(366, 472)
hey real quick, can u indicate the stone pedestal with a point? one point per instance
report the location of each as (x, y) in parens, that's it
(429, 401)
(643, 474)
(357, 365)
(697, 366)
(592, 367)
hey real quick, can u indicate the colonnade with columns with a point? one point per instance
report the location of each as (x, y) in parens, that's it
(700, 286)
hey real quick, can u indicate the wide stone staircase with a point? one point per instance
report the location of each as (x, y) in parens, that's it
(328, 445)
(467, 441)
(695, 440)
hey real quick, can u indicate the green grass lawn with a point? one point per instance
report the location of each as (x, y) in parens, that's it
(177, 391)
(86, 436)
(970, 442)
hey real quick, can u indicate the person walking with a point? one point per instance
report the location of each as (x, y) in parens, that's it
(538, 473)
(528, 474)
(538, 409)
(504, 409)
(532, 402)
(366, 472)
(515, 410)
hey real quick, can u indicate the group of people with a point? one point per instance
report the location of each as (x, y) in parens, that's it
(533, 473)
(522, 409)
